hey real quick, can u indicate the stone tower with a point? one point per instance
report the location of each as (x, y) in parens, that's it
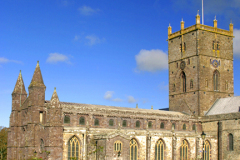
(200, 62)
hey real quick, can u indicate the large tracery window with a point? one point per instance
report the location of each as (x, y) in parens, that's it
(159, 150)
(184, 150)
(133, 149)
(207, 149)
(183, 79)
(216, 80)
(74, 148)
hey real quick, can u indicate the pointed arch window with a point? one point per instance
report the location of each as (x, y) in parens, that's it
(66, 119)
(42, 145)
(96, 122)
(184, 150)
(216, 80)
(138, 124)
(173, 126)
(207, 149)
(150, 124)
(162, 125)
(159, 150)
(230, 141)
(183, 79)
(111, 122)
(133, 149)
(82, 121)
(74, 148)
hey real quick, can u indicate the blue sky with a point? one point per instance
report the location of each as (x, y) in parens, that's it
(106, 52)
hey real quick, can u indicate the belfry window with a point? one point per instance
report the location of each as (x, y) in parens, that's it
(138, 124)
(111, 122)
(184, 150)
(159, 150)
(207, 149)
(183, 79)
(96, 122)
(66, 119)
(150, 124)
(230, 142)
(74, 148)
(216, 80)
(133, 149)
(82, 121)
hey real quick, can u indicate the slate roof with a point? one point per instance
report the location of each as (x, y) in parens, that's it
(225, 105)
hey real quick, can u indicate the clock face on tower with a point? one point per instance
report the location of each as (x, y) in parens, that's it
(182, 65)
(215, 63)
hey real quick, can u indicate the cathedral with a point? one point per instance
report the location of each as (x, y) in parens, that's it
(202, 122)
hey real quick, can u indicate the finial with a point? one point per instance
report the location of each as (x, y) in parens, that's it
(169, 25)
(151, 107)
(231, 21)
(215, 18)
(37, 63)
(198, 12)
(182, 19)
(136, 105)
(54, 88)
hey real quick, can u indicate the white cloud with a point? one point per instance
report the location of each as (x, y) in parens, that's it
(76, 38)
(236, 42)
(93, 40)
(163, 86)
(151, 60)
(87, 11)
(108, 95)
(131, 99)
(117, 100)
(57, 57)
(5, 60)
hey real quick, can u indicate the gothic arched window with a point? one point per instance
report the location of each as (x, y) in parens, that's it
(74, 148)
(183, 79)
(66, 119)
(124, 123)
(162, 125)
(42, 145)
(150, 124)
(159, 150)
(137, 124)
(133, 149)
(230, 139)
(216, 80)
(207, 149)
(173, 126)
(96, 122)
(82, 121)
(111, 122)
(184, 150)
(184, 127)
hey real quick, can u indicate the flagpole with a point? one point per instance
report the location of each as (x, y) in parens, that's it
(202, 14)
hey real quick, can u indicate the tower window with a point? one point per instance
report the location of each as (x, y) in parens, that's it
(230, 139)
(174, 87)
(213, 45)
(111, 122)
(191, 83)
(41, 117)
(206, 82)
(218, 46)
(184, 47)
(180, 48)
(177, 65)
(216, 80)
(183, 79)
(226, 85)
(67, 119)
(188, 61)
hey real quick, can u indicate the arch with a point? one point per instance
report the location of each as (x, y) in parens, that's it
(183, 81)
(124, 123)
(230, 142)
(184, 150)
(193, 127)
(173, 126)
(133, 149)
(74, 148)
(96, 122)
(150, 124)
(216, 81)
(42, 145)
(111, 121)
(66, 119)
(159, 150)
(184, 126)
(138, 124)
(162, 125)
(207, 150)
(82, 121)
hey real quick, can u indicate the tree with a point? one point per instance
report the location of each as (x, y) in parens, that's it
(3, 142)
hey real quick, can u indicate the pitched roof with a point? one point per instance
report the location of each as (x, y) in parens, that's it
(37, 79)
(225, 105)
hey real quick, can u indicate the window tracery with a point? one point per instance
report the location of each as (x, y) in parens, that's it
(74, 148)
(184, 150)
(159, 150)
(133, 149)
